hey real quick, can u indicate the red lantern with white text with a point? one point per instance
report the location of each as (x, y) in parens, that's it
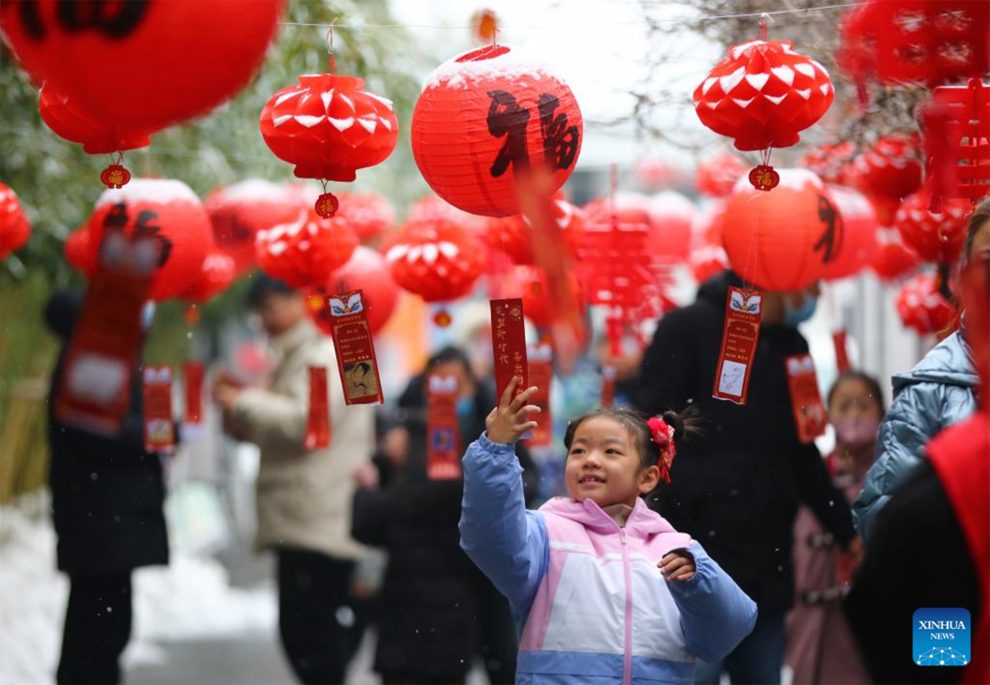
(436, 260)
(305, 251)
(935, 237)
(859, 235)
(922, 307)
(15, 229)
(367, 271)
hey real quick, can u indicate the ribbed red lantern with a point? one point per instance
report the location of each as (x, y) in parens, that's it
(891, 168)
(892, 259)
(329, 127)
(936, 238)
(784, 240)
(859, 236)
(167, 211)
(15, 229)
(305, 251)
(437, 260)
(486, 114)
(215, 276)
(922, 307)
(237, 212)
(97, 136)
(717, 175)
(365, 270)
(369, 214)
(763, 94)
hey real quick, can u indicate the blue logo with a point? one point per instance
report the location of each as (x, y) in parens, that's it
(941, 637)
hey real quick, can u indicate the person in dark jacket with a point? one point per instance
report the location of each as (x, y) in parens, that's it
(107, 498)
(437, 610)
(737, 487)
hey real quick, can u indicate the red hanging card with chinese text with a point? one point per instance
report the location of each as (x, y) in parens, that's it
(810, 416)
(156, 388)
(743, 310)
(355, 348)
(841, 353)
(541, 375)
(608, 387)
(192, 378)
(509, 344)
(443, 436)
(318, 418)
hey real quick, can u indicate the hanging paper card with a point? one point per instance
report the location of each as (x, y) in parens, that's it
(159, 431)
(809, 411)
(443, 451)
(318, 420)
(841, 353)
(192, 376)
(541, 375)
(355, 348)
(743, 310)
(94, 388)
(509, 344)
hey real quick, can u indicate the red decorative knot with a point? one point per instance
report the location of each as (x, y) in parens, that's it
(115, 176)
(764, 177)
(326, 205)
(442, 318)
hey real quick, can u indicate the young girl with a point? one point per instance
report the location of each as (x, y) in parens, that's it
(602, 588)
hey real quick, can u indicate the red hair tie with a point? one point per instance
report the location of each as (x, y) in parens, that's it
(663, 438)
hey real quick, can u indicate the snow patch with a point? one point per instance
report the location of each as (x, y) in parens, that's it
(513, 65)
(152, 190)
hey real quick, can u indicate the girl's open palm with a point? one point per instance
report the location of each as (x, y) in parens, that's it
(510, 419)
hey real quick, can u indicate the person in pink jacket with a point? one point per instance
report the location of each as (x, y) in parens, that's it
(602, 588)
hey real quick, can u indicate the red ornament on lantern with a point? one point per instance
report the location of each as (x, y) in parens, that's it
(893, 259)
(483, 116)
(305, 251)
(891, 168)
(717, 176)
(936, 238)
(437, 260)
(762, 95)
(859, 237)
(365, 270)
(784, 240)
(369, 214)
(215, 276)
(922, 307)
(15, 229)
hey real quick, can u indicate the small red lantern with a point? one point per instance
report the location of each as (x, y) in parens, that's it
(859, 237)
(922, 307)
(15, 229)
(215, 276)
(891, 168)
(437, 260)
(762, 95)
(305, 251)
(369, 214)
(784, 240)
(936, 238)
(239, 211)
(365, 270)
(717, 176)
(95, 135)
(483, 116)
(893, 259)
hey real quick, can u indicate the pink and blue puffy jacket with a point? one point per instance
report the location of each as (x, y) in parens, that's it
(588, 598)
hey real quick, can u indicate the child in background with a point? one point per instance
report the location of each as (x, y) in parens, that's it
(820, 647)
(600, 586)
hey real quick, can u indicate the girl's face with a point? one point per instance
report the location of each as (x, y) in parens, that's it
(855, 413)
(604, 465)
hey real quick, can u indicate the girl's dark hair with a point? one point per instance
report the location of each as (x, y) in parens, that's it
(980, 216)
(635, 422)
(871, 383)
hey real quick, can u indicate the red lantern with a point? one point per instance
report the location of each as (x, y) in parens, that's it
(892, 259)
(365, 270)
(215, 276)
(97, 136)
(957, 140)
(510, 236)
(718, 175)
(830, 162)
(15, 229)
(784, 240)
(486, 114)
(370, 215)
(437, 260)
(529, 283)
(762, 95)
(165, 210)
(707, 226)
(672, 215)
(891, 168)
(305, 251)
(144, 65)
(706, 261)
(239, 211)
(432, 208)
(78, 252)
(922, 307)
(859, 235)
(935, 237)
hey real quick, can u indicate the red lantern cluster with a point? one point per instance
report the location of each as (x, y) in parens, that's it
(305, 251)
(365, 270)
(717, 176)
(484, 116)
(15, 229)
(859, 235)
(437, 260)
(922, 307)
(935, 237)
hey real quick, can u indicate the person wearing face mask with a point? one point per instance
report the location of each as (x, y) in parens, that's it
(820, 647)
(737, 487)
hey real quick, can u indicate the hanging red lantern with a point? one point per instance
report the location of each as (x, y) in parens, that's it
(510, 236)
(369, 214)
(367, 271)
(717, 176)
(167, 211)
(922, 307)
(936, 238)
(15, 229)
(328, 127)
(437, 260)
(483, 116)
(305, 251)
(893, 259)
(215, 276)
(784, 240)
(763, 94)
(706, 261)
(97, 136)
(859, 235)
(830, 162)
(237, 212)
(672, 215)
(529, 283)
(891, 168)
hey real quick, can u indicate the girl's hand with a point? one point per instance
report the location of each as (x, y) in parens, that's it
(677, 566)
(509, 419)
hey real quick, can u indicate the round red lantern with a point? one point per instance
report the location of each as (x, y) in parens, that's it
(935, 237)
(142, 64)
(484, 116)
(15, 229)
(922, 307)
(891, 168)
(437, 260)
(892, 259)
(784, 240)
(95, 135)
(859, 235)
(305, 251)
(215, 276)
(763, 94)
(369, 214)
(166, 211)
(707, 226)
(365, 270)
(239, 211)
(718, 175)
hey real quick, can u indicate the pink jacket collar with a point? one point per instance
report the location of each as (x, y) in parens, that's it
(642, 522)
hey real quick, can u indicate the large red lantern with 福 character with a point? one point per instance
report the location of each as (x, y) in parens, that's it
(304, 252)
(485, 115)
(15, 229)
